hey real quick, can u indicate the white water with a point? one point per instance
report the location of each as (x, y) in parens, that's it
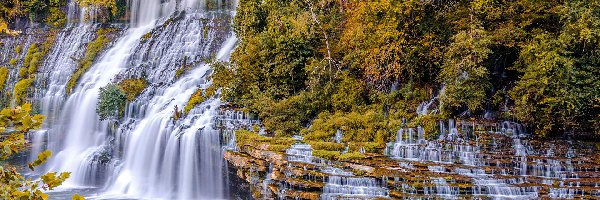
(82, 142)
(54, 75)
(85, 134)
(160, 153)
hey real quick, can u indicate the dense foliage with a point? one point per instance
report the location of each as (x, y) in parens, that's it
(531, 61)
(47, 11)
(111, 102)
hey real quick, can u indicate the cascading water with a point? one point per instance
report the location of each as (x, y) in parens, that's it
(54, 75)
(160, 153)
(161, 158)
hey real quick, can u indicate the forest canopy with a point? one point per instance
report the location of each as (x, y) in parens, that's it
(536, 62)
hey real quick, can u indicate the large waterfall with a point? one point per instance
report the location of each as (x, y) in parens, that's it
(149, 155)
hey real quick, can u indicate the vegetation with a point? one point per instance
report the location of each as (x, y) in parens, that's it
(48, 11)
(17, 122)
(94, 48)
(133, 87)
(20, 90)
(253, 139)
(114, 97)
(346, 64)
(195, 99)
(31, 62)
(111, 102)
(3, 77)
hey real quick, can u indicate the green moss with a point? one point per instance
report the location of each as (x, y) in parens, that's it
(147, 36)
(20, 90)
(329, 155)
(30, 51)
(351, 156)
(248, 138)
(195, 99)
(3, 77)
(13, 62)
(366, 126)
(93, 49)
(35, 62)
(359, 172)
(19, 49)
(210, 91)
(184, 67)
(133, 87)
(23, 72)
(329, 146)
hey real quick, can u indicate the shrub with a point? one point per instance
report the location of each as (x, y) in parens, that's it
(56, 17)
(350, 93)
(429, 123)
(111, 102)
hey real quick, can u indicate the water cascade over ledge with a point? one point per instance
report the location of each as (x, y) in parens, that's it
(149, 155)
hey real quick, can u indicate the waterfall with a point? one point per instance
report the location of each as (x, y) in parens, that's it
(160, 153)
(160, 158)
(54, 75)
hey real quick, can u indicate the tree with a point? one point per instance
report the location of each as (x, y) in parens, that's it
(464, 77)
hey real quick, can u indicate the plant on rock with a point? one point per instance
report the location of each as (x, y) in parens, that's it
(111, 102)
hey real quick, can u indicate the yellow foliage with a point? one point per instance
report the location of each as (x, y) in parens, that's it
(195, 99)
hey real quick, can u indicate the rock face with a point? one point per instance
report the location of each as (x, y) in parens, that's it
(481, 164)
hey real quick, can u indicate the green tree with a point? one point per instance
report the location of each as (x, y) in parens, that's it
(464, 77)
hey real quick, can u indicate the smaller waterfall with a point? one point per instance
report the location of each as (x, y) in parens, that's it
(349, 187)
(300, 153)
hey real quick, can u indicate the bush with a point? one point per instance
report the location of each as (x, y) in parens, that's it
(350, 93)
(429, 123)
(111, 102)
(56, 17)
(288, 116)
